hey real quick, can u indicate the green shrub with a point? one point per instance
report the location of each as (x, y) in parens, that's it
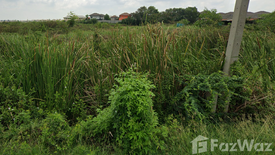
(198, 96)
(130, 119)
(133, 115)
(55, 132)
(23, 128)
(184, 21)
(93, 21)
(51, 24)
(19, 148)
(105, 25)
(12, 102)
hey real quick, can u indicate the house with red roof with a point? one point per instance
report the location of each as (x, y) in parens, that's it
(123, 16)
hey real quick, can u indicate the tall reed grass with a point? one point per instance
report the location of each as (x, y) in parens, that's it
(60, 67)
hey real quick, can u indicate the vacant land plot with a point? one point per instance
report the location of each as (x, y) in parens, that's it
(128, 90)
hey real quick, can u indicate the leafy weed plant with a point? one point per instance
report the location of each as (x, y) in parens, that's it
(131, 118)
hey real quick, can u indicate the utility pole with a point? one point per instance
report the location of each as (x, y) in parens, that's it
(235, 40)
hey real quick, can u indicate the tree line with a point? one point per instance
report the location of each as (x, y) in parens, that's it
(188, 15)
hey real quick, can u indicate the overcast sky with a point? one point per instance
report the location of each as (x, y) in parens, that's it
(57, 9)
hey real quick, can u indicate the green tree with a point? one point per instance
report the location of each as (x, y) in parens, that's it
(174, 14)
(107, 17)
(152, 10)
(72, 19)
(130, 21)
(165, 17)
(152, 14)
(209, 18)
(191, 14)
(140, 15)
(142, 10)
(144, 15)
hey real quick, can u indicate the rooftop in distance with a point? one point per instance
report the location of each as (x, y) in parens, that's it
(256, 15)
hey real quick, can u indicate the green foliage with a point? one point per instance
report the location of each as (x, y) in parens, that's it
(79, 109)
(175, 14)
(93, 21)
(19, 148)
(71, 74)
(55, 132)
(130, 117)
(107, 17)
(130, 21)
(267, 22)
(12, 102)
(151, 15)
(177, 141)
(139, 17)
(53, 85)
(41, 26)
(259, 71)
(198, 96)
(83, 63)
(133, 116)
(73, 17)
(209, 18)
(23, 128)
(184, 21)
(191, 14)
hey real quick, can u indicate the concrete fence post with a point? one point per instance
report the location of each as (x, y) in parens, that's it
(234, 41)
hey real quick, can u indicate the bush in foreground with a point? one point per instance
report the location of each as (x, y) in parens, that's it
(130, 118)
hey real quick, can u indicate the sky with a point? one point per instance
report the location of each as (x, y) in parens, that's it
(57, 9)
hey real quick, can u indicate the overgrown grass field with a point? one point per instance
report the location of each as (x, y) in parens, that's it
(112, 89)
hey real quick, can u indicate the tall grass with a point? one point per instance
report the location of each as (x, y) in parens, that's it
(258, 131)
(72, 74)
(84, 63)
(48, 65)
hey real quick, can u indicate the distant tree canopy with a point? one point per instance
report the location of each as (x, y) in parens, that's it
(191, 14)
(209, 18)
(145, 15)
(107, 17)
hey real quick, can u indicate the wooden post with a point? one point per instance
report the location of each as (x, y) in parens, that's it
(235, 39)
